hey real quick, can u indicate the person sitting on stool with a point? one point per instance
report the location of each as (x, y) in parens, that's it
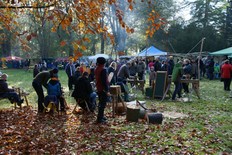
(6, 92)
(54, 89)
(83, 90)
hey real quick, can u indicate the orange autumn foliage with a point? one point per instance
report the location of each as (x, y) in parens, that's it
(82, 16)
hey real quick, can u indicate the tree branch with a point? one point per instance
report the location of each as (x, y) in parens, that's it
(26, 7)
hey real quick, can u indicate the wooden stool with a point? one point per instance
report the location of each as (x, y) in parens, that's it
(79, 101)
(115, 91)
(21, 93)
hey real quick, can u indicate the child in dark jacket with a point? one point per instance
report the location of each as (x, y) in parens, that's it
(54, 89)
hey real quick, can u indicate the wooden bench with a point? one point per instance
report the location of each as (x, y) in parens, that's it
(195, 86)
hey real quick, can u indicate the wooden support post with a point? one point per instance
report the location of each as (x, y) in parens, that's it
(115, 91)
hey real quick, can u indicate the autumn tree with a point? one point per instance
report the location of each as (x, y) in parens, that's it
(207, 21)
(80, 19)
(114, 25)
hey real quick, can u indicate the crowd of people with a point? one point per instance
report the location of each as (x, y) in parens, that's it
(88, 82)
(84, 82)
(120, 71)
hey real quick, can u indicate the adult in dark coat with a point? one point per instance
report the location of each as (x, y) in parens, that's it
(91, 75)
(70, 70)
(83, 90)
(133, 69)
(35, 70)
(157, 65)
(123, 74)
(76, 76)
(210, 67)
(171, 65)
(40, 80)
(141, 69)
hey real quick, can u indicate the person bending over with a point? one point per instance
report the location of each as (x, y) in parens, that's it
(39, 81)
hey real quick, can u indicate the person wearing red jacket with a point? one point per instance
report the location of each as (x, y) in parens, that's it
(102, 85)
(226, 71)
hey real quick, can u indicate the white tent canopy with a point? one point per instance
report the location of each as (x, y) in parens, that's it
(94, 57)
(151, 51)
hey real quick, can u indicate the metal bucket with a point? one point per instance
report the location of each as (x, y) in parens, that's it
(142, 113)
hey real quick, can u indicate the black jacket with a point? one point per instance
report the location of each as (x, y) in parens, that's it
(82, 89)
(4, 87)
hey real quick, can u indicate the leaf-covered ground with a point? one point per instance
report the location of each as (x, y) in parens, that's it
(205, 130)
(25, 132)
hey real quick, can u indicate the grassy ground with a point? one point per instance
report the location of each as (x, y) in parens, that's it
(205, 130)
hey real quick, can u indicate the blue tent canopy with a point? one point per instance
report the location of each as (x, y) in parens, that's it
(151, 51)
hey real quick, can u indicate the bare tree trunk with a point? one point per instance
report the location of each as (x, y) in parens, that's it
(70, 51)
(93, 48)
(6, 44)
(102, 37)
(6, 48)
(206, 16)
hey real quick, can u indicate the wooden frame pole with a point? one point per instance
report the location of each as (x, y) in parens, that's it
(202, 42)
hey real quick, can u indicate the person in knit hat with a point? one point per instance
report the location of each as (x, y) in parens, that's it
(39, 81)
(102, 85)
